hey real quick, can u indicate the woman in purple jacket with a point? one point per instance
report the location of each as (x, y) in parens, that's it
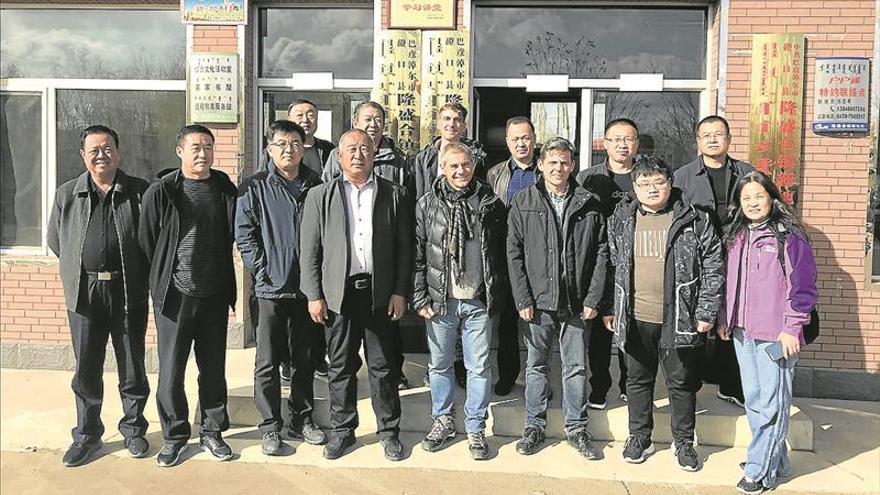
(769, 299)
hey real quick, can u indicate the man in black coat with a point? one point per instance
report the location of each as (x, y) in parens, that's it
(186, 231)
(460, 281)
(356, 270)
(267, 231)
(708, 182)
(557, 256)
(666, 282)
(93, 231)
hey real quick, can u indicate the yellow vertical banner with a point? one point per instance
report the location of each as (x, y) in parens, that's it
(399, 85)
(445, 76)
(776, 109)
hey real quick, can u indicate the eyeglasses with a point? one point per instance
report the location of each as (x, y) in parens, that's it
(621, 139)
(658, 185)
(283, 146)
(714, 135)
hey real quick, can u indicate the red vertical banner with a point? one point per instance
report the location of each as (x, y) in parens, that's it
(776, 103)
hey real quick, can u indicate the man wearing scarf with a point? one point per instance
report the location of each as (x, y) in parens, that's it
(460, 275)
(557, 256)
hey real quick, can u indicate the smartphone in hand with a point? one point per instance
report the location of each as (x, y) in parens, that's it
(774, 350)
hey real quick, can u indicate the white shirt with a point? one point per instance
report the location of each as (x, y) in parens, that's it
(359, 211)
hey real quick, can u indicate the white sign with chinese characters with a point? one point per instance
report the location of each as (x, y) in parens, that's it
(212, 87)
(840, 96)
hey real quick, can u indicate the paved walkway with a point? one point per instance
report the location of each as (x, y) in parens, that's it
(36, 413)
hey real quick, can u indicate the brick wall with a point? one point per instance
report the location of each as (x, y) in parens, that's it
(834, 193)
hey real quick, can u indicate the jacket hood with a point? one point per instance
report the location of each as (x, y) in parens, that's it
(629, 204)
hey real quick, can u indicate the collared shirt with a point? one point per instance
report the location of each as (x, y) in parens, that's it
(101, 251)
(520, 178)
(359, 211)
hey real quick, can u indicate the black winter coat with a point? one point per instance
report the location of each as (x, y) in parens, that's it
(432, 261)
(693, 281)
(160, 228)
(539, 254)
(693, 180)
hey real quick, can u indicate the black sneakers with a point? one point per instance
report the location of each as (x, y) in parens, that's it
(138, 447)
(337, 445)
(503, 387)
(308, 432)
(737, 401)
(442, 432)
(637, 449)
(213, 444)
(749, 487)
(393, 448)
(478, 446)
(170, 453)
(531, 441)
(687, 457)
(580, 440)
(272, 444)
(80, 453)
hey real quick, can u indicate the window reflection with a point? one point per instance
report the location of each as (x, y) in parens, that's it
(92, 44)
(338, 40)
(666, 123)
(589, 42)
(20, 170)
(147, 123)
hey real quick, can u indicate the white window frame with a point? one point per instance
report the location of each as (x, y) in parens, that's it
(48, 87)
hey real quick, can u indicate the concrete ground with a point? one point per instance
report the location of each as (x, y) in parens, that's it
(36, 414)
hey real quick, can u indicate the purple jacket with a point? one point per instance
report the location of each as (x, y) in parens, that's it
(762, 299)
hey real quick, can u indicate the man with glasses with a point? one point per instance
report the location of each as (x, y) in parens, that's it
(356, 263)
(93, 231)
(708, 182)
(666, 282)
(268, 214)
(557, 258)
(612, 181)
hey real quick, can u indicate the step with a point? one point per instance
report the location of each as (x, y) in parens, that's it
(719, 423)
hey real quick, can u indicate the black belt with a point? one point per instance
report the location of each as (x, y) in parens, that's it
(361, 281)
(103, 276)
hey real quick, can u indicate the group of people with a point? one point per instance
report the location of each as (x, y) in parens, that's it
(341, 241)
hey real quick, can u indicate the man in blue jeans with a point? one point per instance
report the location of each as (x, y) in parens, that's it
(557, 256)
(460, 275)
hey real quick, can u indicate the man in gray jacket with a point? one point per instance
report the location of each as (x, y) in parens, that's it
(356, 266)
(267, 221)
(93, 231)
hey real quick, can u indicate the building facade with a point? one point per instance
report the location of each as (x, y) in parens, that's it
(570, 66)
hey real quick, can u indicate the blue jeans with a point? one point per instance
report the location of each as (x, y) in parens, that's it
(472, 318)
(767, 389)
(573, 335)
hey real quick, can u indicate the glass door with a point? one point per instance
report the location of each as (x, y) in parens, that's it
(21, 170)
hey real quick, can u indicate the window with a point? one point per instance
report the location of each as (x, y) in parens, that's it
(588, 43)
(92, 44)
(20, 170)
(337, 40)
(62, 70)
(147, 123)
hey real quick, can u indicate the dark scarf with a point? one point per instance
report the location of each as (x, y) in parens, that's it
(461, 221)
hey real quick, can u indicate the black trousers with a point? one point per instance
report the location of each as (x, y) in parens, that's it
(360, 322)
(101, 316)
(724, 369)
(601, 341)
(644, 356)
(285, 333)
(508, 342)
(199, 323)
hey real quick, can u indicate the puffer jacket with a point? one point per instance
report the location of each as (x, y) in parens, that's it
(763, 298)
(693, 283)
(540, 254)
(426, 162)
(432, 261)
